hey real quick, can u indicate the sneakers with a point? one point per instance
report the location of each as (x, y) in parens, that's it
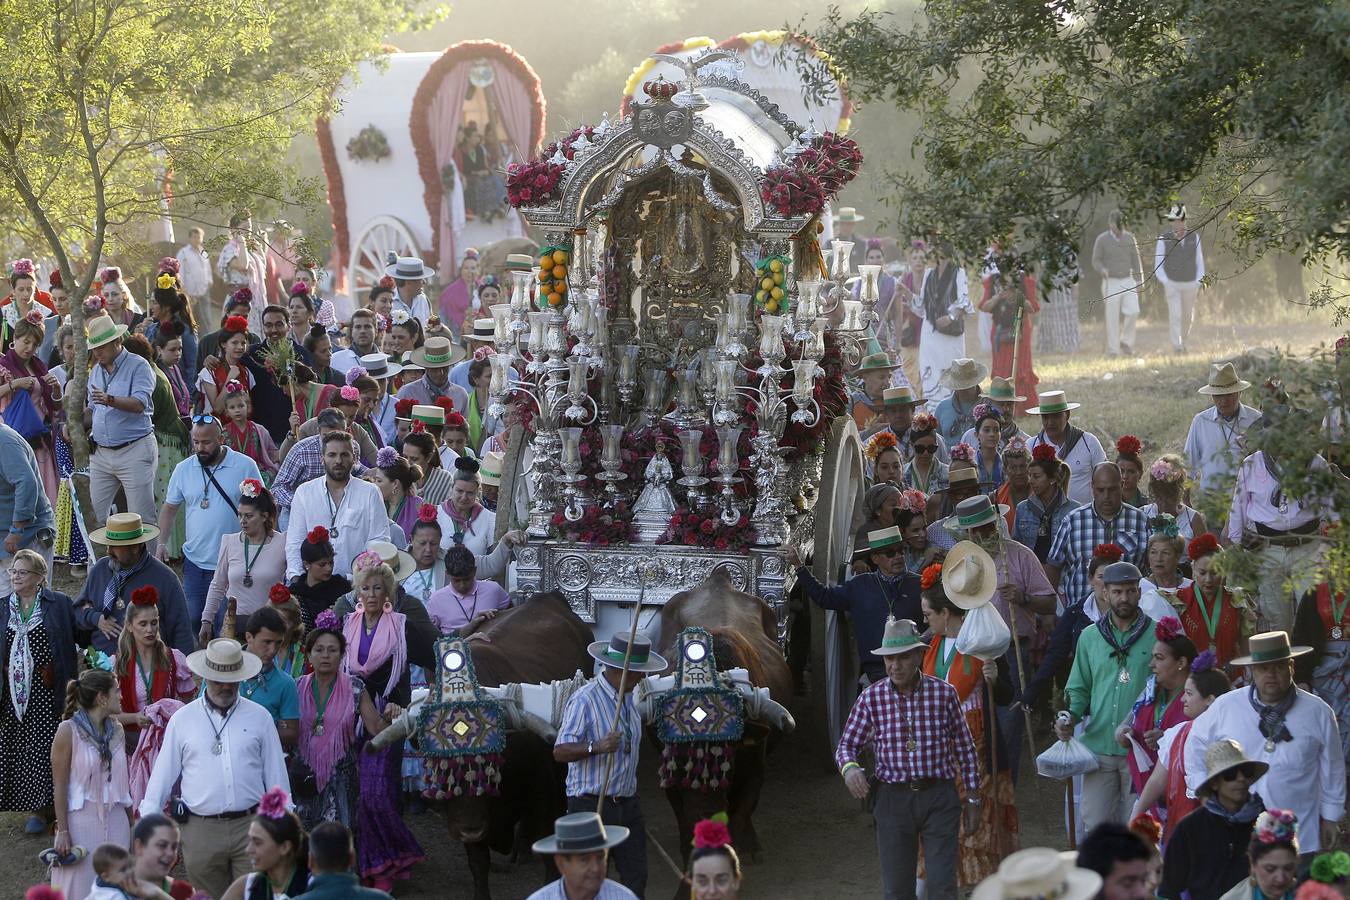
(35, 825)
(49, 858)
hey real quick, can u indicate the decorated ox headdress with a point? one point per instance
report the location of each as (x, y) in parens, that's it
(698, 720)
(462, 730)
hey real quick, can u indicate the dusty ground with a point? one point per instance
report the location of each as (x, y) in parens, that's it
(818, 841)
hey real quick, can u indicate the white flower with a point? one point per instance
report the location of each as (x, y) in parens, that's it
(400, 317)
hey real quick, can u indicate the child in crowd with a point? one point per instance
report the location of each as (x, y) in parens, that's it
(168, 353)
(246, 436)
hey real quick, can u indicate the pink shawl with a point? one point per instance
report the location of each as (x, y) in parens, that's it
(388, 642)
(324, 751)
(148, 746)
(454, 303)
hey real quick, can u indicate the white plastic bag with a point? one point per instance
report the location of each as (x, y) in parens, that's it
(984, 633)
(1065, 759)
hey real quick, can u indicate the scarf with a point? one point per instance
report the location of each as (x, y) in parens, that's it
(118, 582)
(11, 363)
(463, 524)
(20, 669)
(182, 397)
(101, 739)
(1273, 728)
(323, 751)
(1244, 816)
(1120, 652)
(386, 644)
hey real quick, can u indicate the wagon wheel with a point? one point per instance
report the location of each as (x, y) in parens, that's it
(381, 235)
(837, 513)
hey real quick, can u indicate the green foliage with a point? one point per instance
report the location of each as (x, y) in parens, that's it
(1033, 111)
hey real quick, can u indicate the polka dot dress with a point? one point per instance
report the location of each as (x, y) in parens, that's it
(25, 747)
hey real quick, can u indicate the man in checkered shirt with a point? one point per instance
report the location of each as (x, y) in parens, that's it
(1107, 520)
(918, 736)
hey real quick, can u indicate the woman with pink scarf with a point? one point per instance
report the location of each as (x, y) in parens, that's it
(377, 653)
(457, 297)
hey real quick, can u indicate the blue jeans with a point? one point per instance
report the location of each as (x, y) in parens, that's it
(195, 584)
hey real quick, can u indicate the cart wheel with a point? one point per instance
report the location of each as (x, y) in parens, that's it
(381, 236)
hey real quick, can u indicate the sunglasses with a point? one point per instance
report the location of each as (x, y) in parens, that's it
(925, 448)
(203, 419)
(1247, 772)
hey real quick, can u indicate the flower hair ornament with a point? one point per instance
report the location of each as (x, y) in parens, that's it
(446, 404)
(234, 386)
(54, 280)
(1043, 452)
(250, 488)
(1168, 629)
(235, 325)
(1015, 447)
(386, 457)
(43, 892)
(426, 512)
(110, 275)
(273, 803)
(354, 373)
(483, 353)
(931, 573)
(387, 282)
(243, 295)
(882, 440)
(22, 268)
(1328, 868)
(381, 323)
(34, 316)
(963, 452)
(349, 393)
(300, 287)
(1202, 545)
(1108, 552)
(419, 427)
(403, 408)
(399, 317)
(711, 834)
(366, 560)
(987, 410)
(1204, 661)
(327, 621)
(1164, 524)
(453, 419)
(1128, 445)
(165, 281)
(145, 596)
(94, 304)
(317, 535)
(922, 423)
(279, 594)
(171, 328)
(1162, 470)
(912, 500)
(1275, 826)
(169, 265)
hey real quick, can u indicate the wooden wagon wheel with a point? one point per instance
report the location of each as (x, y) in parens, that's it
(838, 513)
(381, 236)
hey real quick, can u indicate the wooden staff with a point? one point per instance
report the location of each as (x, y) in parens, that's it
(993, 736)
(290, 383)
(1073, 827)
(618, 707)
(1017, 343)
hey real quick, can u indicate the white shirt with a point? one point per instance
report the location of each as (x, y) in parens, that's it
(1086, 455)
(1307, 774)
(361, 518)
(609, 890)
(250, 763)
(419, 308)
(194, 272)
(1214, 446)
(1252, 497)
(478, 537)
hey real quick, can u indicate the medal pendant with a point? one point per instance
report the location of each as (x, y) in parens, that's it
(1124, 676)
(1337, 633)
(216, 748)
(119, 605)
(205, 504)
(1270, 746)
(911, 745)
(333, 531)
(318, 728)
(248, 581)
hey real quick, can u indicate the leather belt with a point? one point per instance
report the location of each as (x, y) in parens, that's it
(919, 784)
(120, 446)
(232, 814)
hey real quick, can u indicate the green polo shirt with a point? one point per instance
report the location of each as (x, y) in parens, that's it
(1095, 687)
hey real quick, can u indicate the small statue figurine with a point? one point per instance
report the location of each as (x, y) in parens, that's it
(655, 505)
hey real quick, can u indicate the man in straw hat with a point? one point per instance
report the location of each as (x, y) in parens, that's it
(1179, 264)
(897, 415)
(1207, 853)
(478, 343)
(888, 591)
(602, 755)
(580, 846)
(1039, 872)
(378, 405)
(225, 751)
(1286, 727)
(1106, 519)
(119, 410)
(1110, 666)
(410, 274)
(1023, 592)
(918, 737)
(874, 374)
(963, 482)
(435, 357)
(956, 412)
(1122, 859)
(1080, 450)
(102, 605)
(845, 223)
(1214, 443)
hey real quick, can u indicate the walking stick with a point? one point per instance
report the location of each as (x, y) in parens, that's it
(1073, 827)
(1017, 341)
(618, 707)
(1017, 642)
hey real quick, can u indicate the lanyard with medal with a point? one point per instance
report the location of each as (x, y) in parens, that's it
(1337, 614)
(248, 565)
(428, 579)
(333, 510)
(321, 705)
(208, 475)
(217, 747)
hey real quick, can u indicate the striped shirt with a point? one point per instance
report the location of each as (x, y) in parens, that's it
(921, 734)
(589, 716)
(609, 890)
(1079, 534)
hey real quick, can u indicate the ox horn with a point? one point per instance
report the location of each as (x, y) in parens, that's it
(405, 725)
(766, 709)
(517, 719)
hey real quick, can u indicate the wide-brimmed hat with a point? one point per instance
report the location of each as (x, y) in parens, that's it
(428, 415)
(124, 530)
(401, 562)
(1122, 572)
(409, 268)
(224, 660)
(1222, 756)
(849, 214)
(1002, 390)
(899, 396)
(1039, 872)
(877, 362)
(1267, 647)
(1052, 402)
(519, 262)
(963, 373)
(640, 659)
(882, 538)
(379, 365)
(969, 576)
(901, 636)
(973, 512)
(581, 832)
(102, 330)
(437, 353)
(1176, 212)
(962, 474)
(1223, 379)
(484, 331)
(490, 472)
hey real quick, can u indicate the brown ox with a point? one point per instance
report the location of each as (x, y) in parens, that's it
(742, 627)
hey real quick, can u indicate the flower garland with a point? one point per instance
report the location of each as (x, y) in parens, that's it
(597, 527)
(368, 145)
(791, 192)
(698, 529)
(882, 440)
(533, 183)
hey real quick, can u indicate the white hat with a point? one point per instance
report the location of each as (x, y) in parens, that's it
(409, 268)
(1039, 872)
(1177, 213)
(224, 660)
(969, 577)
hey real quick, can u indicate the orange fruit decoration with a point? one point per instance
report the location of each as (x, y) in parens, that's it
(560, 256)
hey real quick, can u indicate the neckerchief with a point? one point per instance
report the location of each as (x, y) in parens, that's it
(102, 739)
(1120, 652)
(118, 582)
(1246, 815)
(1277, 497)
(1273, 728)
(20, 668)
(463, 524)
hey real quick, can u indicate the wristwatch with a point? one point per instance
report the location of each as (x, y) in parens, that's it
(590, 748)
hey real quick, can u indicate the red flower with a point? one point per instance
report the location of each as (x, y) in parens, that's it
(1043, 451)
(1128, 445)
(317, 535)
(145, 596)
(690, 540)
(403, 408)
(446, 404)
(426, 512)
(1109, 552)
(279, 594)
(710, 833)
(235, 325)
(930, 576)
(708, 526)
(1167, 629)
(558, 520)
(419, 427)
(676, 520)
(721, 543)
(1202, 545)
